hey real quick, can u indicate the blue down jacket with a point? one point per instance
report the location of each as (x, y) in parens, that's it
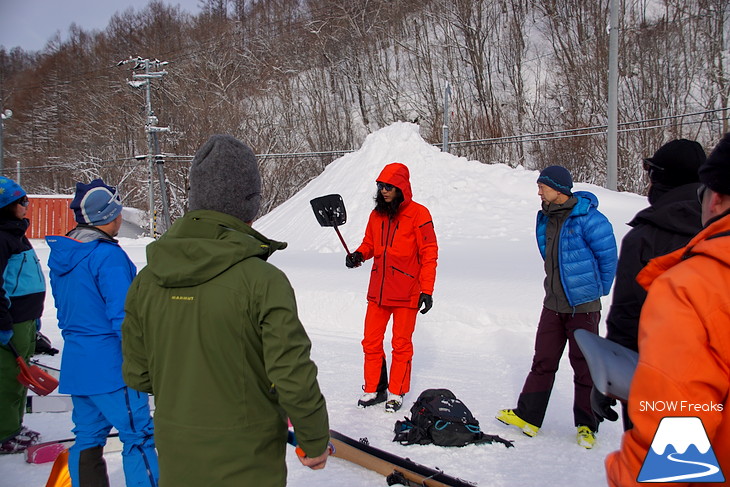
(588, 252)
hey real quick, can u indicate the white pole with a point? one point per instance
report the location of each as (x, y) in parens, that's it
(3, 116)
(612, 131)
(445, 142)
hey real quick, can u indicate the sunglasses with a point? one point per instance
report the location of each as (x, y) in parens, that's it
(650, 167)
(701, 193)
(385, 186)
(23, 201)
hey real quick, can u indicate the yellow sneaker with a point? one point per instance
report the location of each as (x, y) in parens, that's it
(508, 416)
(586, 437)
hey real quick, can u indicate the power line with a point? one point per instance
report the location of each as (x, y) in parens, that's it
(593, 130)
(590, 131)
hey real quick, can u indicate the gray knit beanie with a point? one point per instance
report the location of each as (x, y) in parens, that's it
(225, 177)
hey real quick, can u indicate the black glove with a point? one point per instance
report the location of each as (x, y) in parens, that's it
(426, 301)
(601, 406)
(353, 260)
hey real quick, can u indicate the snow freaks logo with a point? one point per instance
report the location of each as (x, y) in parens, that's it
(680, 452)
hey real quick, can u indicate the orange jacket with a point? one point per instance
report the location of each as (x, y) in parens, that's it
(684, 351)
(404, 248)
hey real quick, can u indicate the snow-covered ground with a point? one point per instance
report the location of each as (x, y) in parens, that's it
(477, 340)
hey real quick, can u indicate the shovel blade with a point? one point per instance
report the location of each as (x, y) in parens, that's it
(35, 379)
(329, 210)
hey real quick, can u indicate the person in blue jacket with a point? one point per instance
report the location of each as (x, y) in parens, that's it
(22, 292)
(578, 247)
(90, 275)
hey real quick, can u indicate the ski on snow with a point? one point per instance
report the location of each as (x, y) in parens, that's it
(397, 470)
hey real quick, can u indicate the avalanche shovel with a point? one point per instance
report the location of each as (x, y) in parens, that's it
(330, 212)
(33, 377)
(611, 365)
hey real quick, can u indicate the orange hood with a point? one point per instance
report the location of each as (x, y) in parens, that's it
(398, 175)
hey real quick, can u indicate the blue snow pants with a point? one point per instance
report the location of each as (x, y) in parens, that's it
(94, 416)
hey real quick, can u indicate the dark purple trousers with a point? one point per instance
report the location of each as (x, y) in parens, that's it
(553, 331)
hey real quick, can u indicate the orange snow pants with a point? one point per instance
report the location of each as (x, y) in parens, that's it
(376, 321)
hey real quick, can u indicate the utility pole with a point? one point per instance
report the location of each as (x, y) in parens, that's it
(612, 131)
(3, 116)
(154, 157)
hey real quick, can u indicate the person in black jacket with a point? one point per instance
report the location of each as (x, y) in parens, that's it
(670, 221)
(22, 292)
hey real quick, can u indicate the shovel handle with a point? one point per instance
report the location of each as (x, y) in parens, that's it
(342, 240)
(33, 378)
(14, 350)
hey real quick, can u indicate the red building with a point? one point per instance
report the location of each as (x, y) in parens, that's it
(49, 215)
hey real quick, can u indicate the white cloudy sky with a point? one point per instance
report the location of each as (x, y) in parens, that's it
(29, 24)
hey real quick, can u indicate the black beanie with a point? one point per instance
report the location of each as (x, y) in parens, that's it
(678, 161)
(558, 178)
(224, 177)
(715, 172)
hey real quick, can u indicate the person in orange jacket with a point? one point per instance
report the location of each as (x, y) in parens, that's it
(684, 353)
(400, 238)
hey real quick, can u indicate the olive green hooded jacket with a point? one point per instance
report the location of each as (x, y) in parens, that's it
(211, 329)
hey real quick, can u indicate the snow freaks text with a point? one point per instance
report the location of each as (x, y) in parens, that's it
(678, 406)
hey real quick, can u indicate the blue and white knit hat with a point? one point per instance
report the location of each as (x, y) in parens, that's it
(96, 203)
(558, 178)
(10, 192)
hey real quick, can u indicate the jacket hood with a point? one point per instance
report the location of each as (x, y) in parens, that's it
(398, 175)
(14, 226)
(203, 244)
(676, 211)
(67, 253)
(586, 201)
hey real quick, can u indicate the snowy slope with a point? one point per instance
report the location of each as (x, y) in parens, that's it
(477, 340)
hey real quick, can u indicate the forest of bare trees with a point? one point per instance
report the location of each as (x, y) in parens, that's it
(303, 80)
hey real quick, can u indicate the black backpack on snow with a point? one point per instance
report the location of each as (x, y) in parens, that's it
(440, 418)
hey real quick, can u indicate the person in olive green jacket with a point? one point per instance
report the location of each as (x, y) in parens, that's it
(211, 329)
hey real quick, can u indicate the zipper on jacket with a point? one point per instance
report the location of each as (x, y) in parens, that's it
(402, 272)
(392, 239)
(385, 252)
(20, 273)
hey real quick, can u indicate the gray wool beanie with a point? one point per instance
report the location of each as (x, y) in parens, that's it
(224, 177)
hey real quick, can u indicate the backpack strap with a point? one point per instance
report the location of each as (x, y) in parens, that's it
(494, 439)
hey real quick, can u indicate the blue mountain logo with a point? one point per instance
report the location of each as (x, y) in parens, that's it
(680, 452)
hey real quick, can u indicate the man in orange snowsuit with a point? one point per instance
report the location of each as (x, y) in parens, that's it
(684, 353)
(401, 240)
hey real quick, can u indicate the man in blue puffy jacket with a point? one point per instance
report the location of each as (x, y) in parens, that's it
(578, 246)
(90, 275)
